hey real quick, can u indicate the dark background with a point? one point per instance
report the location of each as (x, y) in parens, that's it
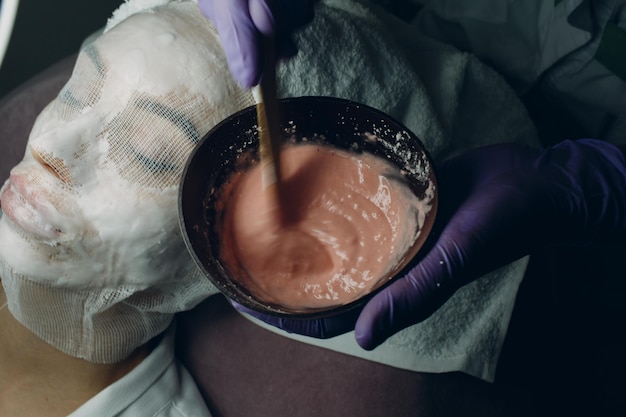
(46, 31)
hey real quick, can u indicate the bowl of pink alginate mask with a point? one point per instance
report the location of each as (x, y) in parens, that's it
(358, 200)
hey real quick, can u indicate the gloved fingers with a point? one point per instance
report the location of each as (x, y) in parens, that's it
(320, 328)
(239, 36)
(414, 297)
(486, 229)
(262, 16)
(409, 300)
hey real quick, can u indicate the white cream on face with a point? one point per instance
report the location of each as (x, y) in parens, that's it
(93, 203)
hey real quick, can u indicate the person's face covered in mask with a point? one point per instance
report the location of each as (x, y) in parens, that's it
(89, 236)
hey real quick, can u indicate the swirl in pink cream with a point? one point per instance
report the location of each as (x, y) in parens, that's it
(346, 225)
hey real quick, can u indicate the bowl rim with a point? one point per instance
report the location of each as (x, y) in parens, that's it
(246, 299)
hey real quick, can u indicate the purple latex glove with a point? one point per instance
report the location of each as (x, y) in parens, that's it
(241, 25)
(497, 204)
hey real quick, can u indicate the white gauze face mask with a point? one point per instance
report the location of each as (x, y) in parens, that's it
(91, 255)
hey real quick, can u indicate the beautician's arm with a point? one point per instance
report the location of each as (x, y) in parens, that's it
(497, 204)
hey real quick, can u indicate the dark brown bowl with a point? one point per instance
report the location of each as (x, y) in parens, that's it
(233, 144)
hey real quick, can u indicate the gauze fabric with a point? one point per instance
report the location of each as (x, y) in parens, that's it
(91, 255)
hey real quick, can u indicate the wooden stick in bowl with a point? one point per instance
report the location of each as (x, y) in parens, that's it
(268, 121)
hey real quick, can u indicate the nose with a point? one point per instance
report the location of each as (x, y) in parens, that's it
(65, 149)
(53, 164)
